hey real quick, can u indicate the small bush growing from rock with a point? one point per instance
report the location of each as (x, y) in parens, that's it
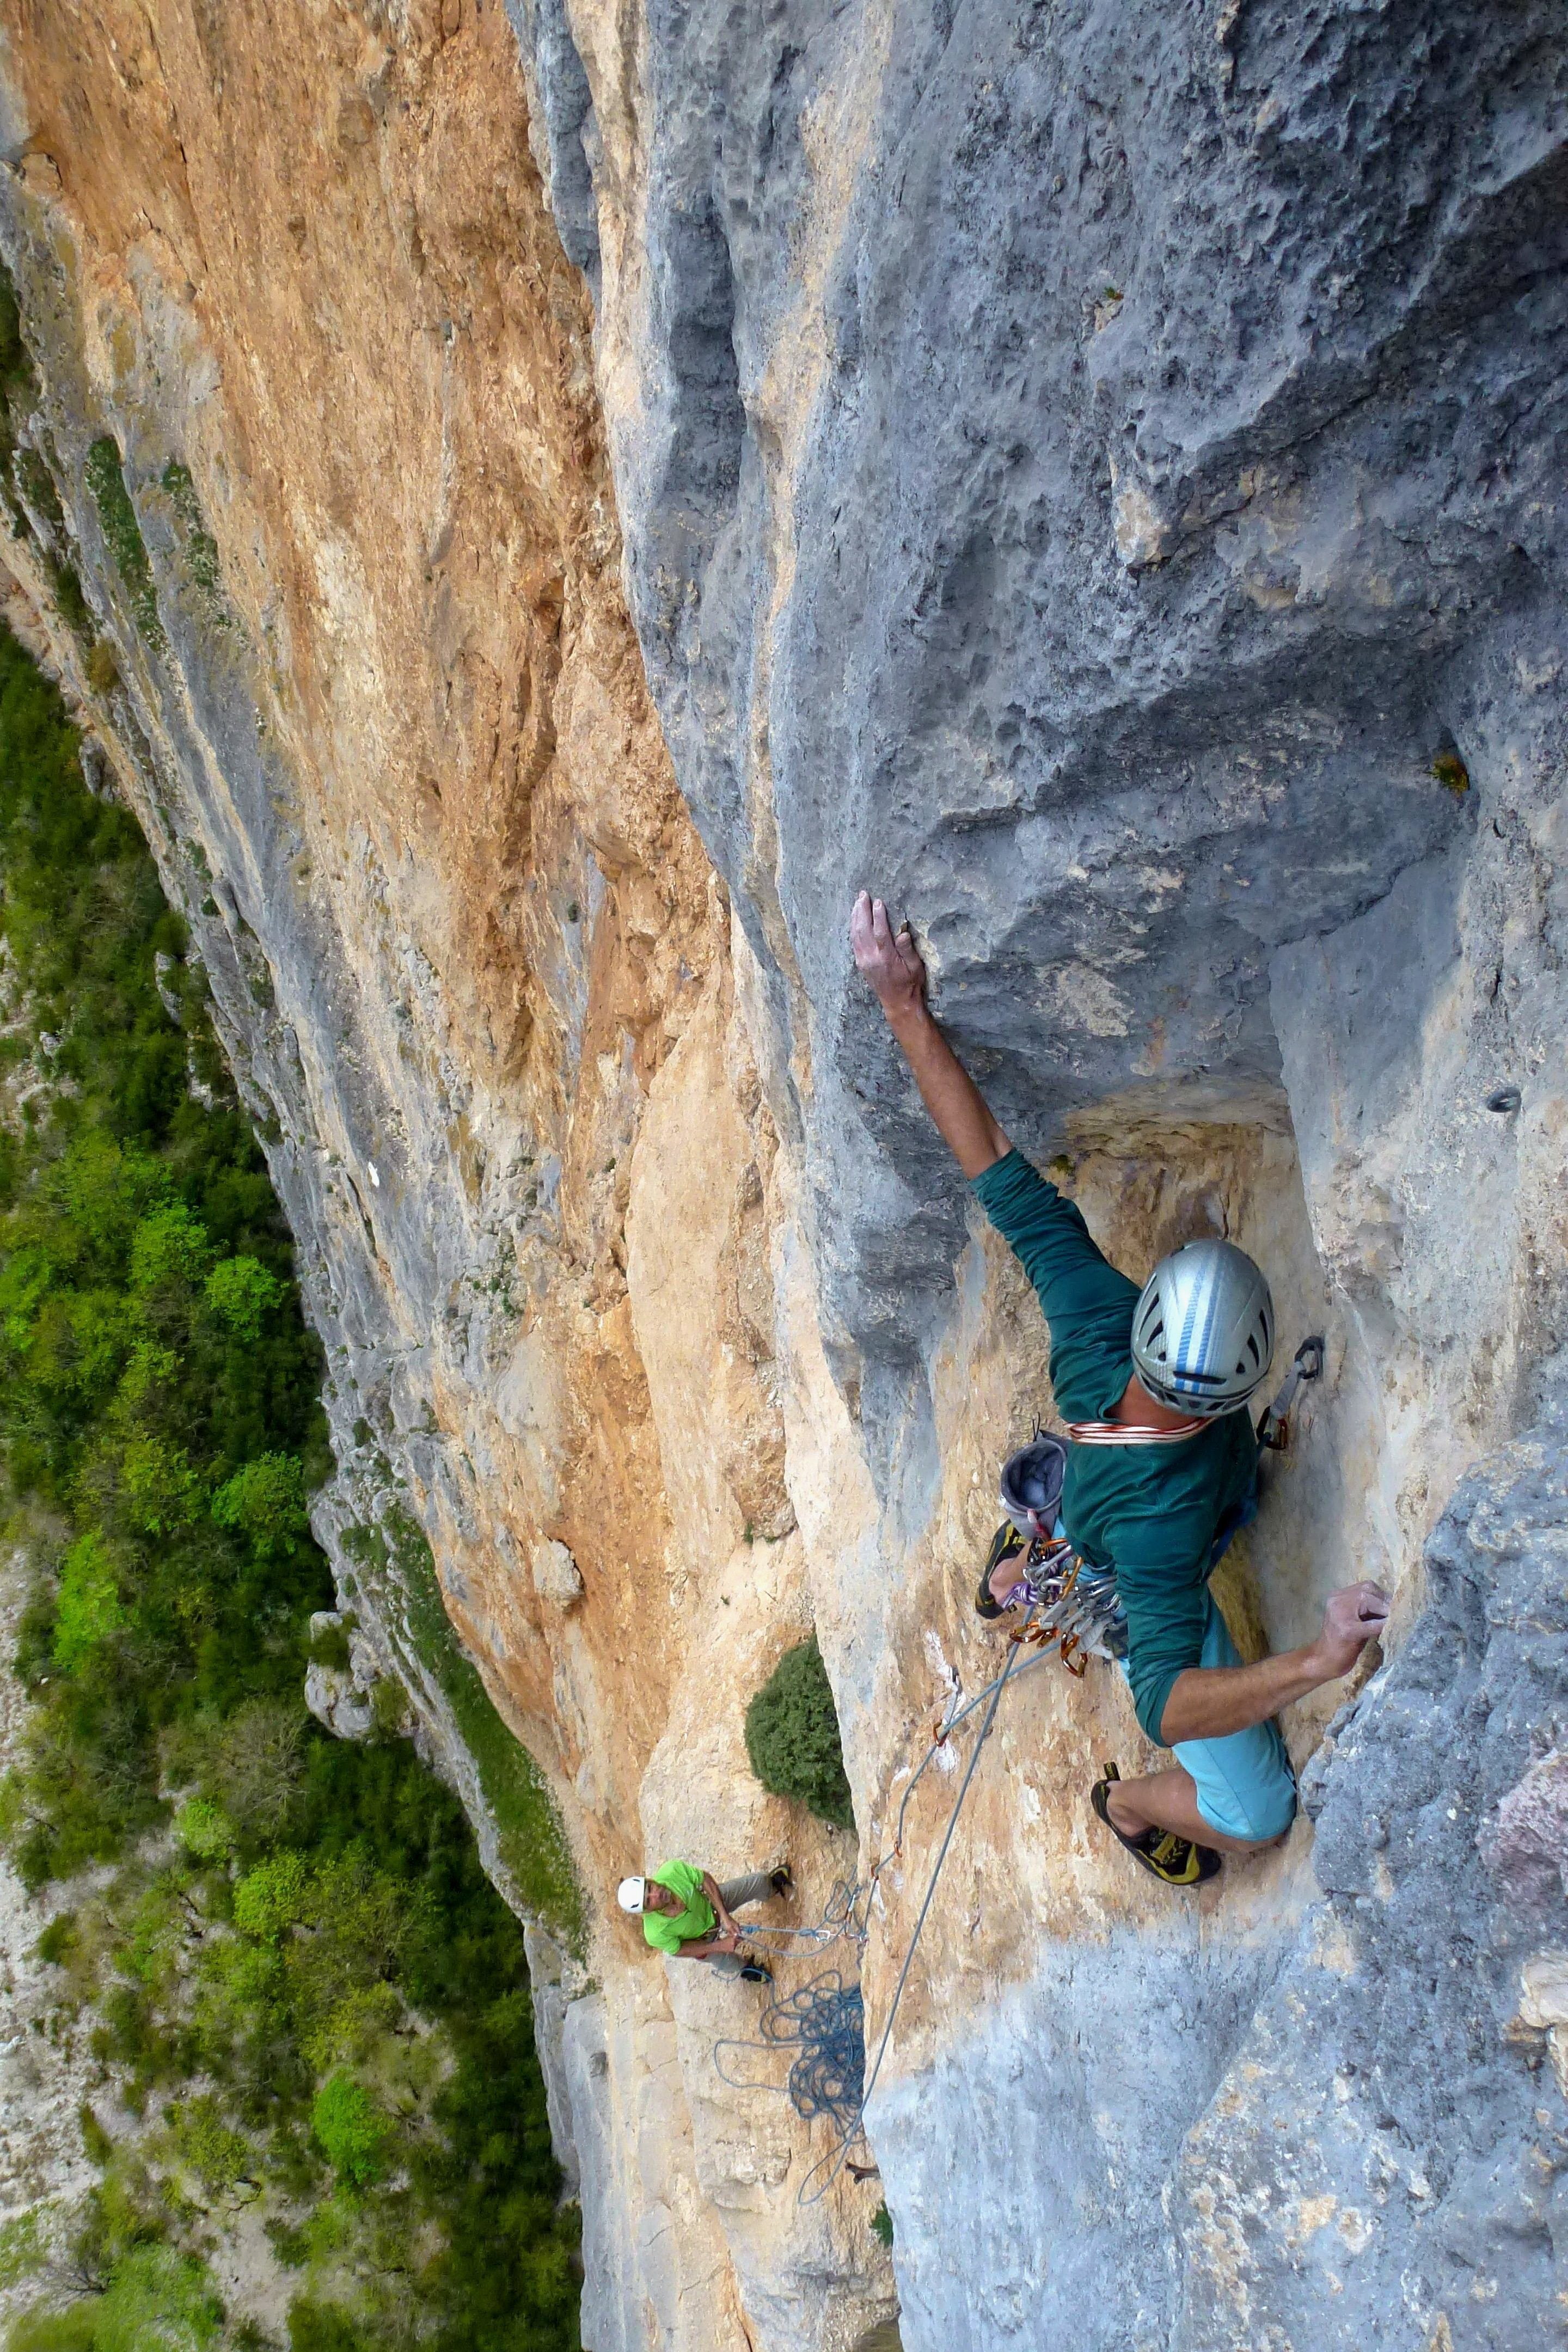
(122, 535)
(792, 1736)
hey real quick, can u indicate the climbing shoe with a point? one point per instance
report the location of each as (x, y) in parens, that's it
(1175, 1861)
(755, 1972)
(781, 1880)
(1005, 1544)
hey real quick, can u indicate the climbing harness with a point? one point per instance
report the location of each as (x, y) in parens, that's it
(1274, 1429)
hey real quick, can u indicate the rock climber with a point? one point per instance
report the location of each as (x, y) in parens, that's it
(1161, 1472)
(685, 1911)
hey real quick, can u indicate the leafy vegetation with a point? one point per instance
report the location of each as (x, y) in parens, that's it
(18, 390)
(24, 475)
(793, 1740)
(532, 1844)
(202, 566)
(122, 535)
(293, 1963)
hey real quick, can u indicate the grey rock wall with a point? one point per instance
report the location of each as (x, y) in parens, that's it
(1078, 464)
(1395, 2169)
(1094, 474)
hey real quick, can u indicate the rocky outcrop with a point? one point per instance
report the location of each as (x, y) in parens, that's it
(48, 2067)
(1096, 475)
(1403, 2115)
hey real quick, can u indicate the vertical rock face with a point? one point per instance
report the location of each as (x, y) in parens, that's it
(1094, 474)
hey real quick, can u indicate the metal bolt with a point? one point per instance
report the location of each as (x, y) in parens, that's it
(1506, 1098)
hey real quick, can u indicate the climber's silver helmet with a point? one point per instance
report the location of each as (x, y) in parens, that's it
(1202, 1330)
(631, 1895)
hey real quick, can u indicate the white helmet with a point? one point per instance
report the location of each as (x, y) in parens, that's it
(629, 1894)
(1202, 1330)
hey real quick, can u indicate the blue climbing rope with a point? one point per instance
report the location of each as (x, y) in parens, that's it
(825, 2020)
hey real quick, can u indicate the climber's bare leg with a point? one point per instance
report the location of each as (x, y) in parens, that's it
(1169, 1801)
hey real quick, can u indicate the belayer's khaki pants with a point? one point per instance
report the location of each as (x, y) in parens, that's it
(756, 1887)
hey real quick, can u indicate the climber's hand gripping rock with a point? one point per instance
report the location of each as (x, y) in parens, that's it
(1353, 1619)
(891, 963)
(889, 959)
(1211, 1702)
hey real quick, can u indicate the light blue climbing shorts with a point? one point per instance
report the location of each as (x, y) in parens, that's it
(1244, 1785)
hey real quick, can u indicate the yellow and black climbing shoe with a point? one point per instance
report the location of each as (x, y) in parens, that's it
(1175, 1861)
(1005, 1544)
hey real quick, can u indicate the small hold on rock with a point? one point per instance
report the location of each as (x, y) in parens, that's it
(557, 1579)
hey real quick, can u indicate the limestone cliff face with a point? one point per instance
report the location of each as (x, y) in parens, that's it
(1094, 473)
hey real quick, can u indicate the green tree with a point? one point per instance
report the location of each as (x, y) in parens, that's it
(160, 1490)
(266, 1502)
(168, 1245)
(240, 1293)
(351, 2129)
(276, 1895)
(217, 2154)
(88, 1611)
(157, 2299)
(205, 1830)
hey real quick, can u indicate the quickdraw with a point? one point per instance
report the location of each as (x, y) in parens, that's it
(1074, 1608)
(1274, 1429)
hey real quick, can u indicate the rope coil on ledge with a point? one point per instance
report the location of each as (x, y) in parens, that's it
(825, 2020)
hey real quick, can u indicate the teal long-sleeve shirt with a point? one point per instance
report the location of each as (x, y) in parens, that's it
(1149, 1512)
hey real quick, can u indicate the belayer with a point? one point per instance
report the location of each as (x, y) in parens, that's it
(1160, 1472)
(687, 1914)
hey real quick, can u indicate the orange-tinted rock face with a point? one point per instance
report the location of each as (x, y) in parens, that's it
(319, 272)
(394, 747)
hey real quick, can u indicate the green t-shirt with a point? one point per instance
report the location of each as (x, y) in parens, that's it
(666, 1931)
(1149, 1512)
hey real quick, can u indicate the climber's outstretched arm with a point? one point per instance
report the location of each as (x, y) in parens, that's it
(891, 963)
(1208, 1702)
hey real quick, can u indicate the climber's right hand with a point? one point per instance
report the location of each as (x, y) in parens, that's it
(1353, 1619)
(890, 960)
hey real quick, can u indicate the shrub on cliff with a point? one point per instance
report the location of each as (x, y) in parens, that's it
(792, 1736)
